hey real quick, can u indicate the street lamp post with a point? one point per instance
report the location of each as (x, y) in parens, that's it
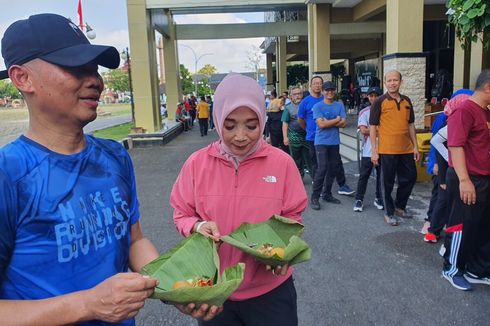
(196, 60)
(127, 62)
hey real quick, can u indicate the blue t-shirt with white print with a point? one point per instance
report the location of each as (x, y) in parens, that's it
(328, 136)
(65, 220)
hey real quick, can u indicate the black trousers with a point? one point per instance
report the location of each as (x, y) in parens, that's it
(203, 126)
(328, 158)
(365, 173)
(277, 307)
(192, 114)
(340, 177)
(467, 238)
(433, 197)
(402, 167)
(439, 216)
(277, 140)
(301, 156)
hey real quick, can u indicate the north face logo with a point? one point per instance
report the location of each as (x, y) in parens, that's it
(270, 178)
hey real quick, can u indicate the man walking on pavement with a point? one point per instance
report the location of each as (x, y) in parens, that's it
(293, 134)
(366, 164)
(307, 122)
(467, 239)
(394, 146)
(329, 116)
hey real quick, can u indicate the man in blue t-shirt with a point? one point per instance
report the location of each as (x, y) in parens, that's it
(306, 120)
(69, 213)
(329, 116)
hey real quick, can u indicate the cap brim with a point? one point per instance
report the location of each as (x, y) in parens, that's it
(82, 54)
(4, 74)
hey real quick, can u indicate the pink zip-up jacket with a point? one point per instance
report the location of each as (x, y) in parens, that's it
(209, 188)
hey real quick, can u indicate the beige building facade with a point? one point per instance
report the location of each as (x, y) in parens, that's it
(406, 35)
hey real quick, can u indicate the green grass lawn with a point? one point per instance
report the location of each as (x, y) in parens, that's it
(117, 133)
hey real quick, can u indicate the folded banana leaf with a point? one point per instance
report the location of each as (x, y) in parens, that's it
(192, 258)
(277, 231)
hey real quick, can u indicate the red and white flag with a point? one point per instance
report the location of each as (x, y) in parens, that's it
(80, 15)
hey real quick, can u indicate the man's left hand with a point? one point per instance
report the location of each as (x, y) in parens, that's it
(416, 155)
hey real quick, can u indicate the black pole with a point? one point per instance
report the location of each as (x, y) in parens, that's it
(128, 62)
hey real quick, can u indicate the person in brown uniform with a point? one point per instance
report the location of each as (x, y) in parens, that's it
(394, 145)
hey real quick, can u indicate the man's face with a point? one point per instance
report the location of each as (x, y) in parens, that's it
(65, 95)
(392, 82)
(329, 94)
(241, 130)
(296, 95)
(372, 97)
(316, 86)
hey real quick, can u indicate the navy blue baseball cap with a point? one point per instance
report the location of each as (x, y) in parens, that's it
(55, 39)
(329, 85)
(374, 89)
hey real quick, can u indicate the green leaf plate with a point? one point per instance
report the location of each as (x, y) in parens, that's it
(195, 256)
(278, 231)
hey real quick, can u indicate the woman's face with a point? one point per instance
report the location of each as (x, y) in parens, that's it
(241, 130)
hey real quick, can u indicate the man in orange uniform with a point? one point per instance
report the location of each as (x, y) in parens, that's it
(396, 150)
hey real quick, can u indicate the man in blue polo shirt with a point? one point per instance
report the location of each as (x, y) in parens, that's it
(329, 116)
(306, 120)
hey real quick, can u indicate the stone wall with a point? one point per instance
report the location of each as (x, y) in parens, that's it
(413, 70)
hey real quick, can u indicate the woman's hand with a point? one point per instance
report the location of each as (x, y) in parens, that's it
(208, 229)
(204, 312)
(280, 270)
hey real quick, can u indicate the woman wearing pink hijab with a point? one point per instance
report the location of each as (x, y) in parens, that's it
(237, 179)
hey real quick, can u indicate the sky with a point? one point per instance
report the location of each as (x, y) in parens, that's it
(109, 20)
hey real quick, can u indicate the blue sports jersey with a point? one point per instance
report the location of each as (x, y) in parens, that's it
(65, 220)
(305, 112)
(328, 136)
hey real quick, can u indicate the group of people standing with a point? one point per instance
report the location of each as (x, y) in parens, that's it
(190, 109)
(461, 193)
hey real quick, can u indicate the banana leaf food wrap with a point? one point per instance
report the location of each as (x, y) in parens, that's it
(277, 231)
(194, 257)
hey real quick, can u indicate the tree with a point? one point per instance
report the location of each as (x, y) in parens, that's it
(254, 56)
(471, 18)
(208, 70)
(117, 80)
(203, 87)
(186, 82)
(297, 74)
(7, 89)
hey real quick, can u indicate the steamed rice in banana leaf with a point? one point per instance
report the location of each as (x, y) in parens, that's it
(277, 231)
(193, 258)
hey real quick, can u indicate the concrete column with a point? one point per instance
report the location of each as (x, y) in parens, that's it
(172, 71)
(460, 75)
(281, 64)
(319, 38)
(476, 62)
(269, 60)
(404, 32)
(143, 67)
(404, 25)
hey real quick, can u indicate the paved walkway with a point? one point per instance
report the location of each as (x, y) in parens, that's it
(363, 272)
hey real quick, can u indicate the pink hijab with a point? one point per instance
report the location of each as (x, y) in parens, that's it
(233, 92)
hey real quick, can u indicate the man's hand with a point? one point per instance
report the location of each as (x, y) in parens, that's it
(416, 155)
(278, 270)
(286, 141)
(204, 312)
(209, 230)
(375, 158)
(467, 192)
(119, 297)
